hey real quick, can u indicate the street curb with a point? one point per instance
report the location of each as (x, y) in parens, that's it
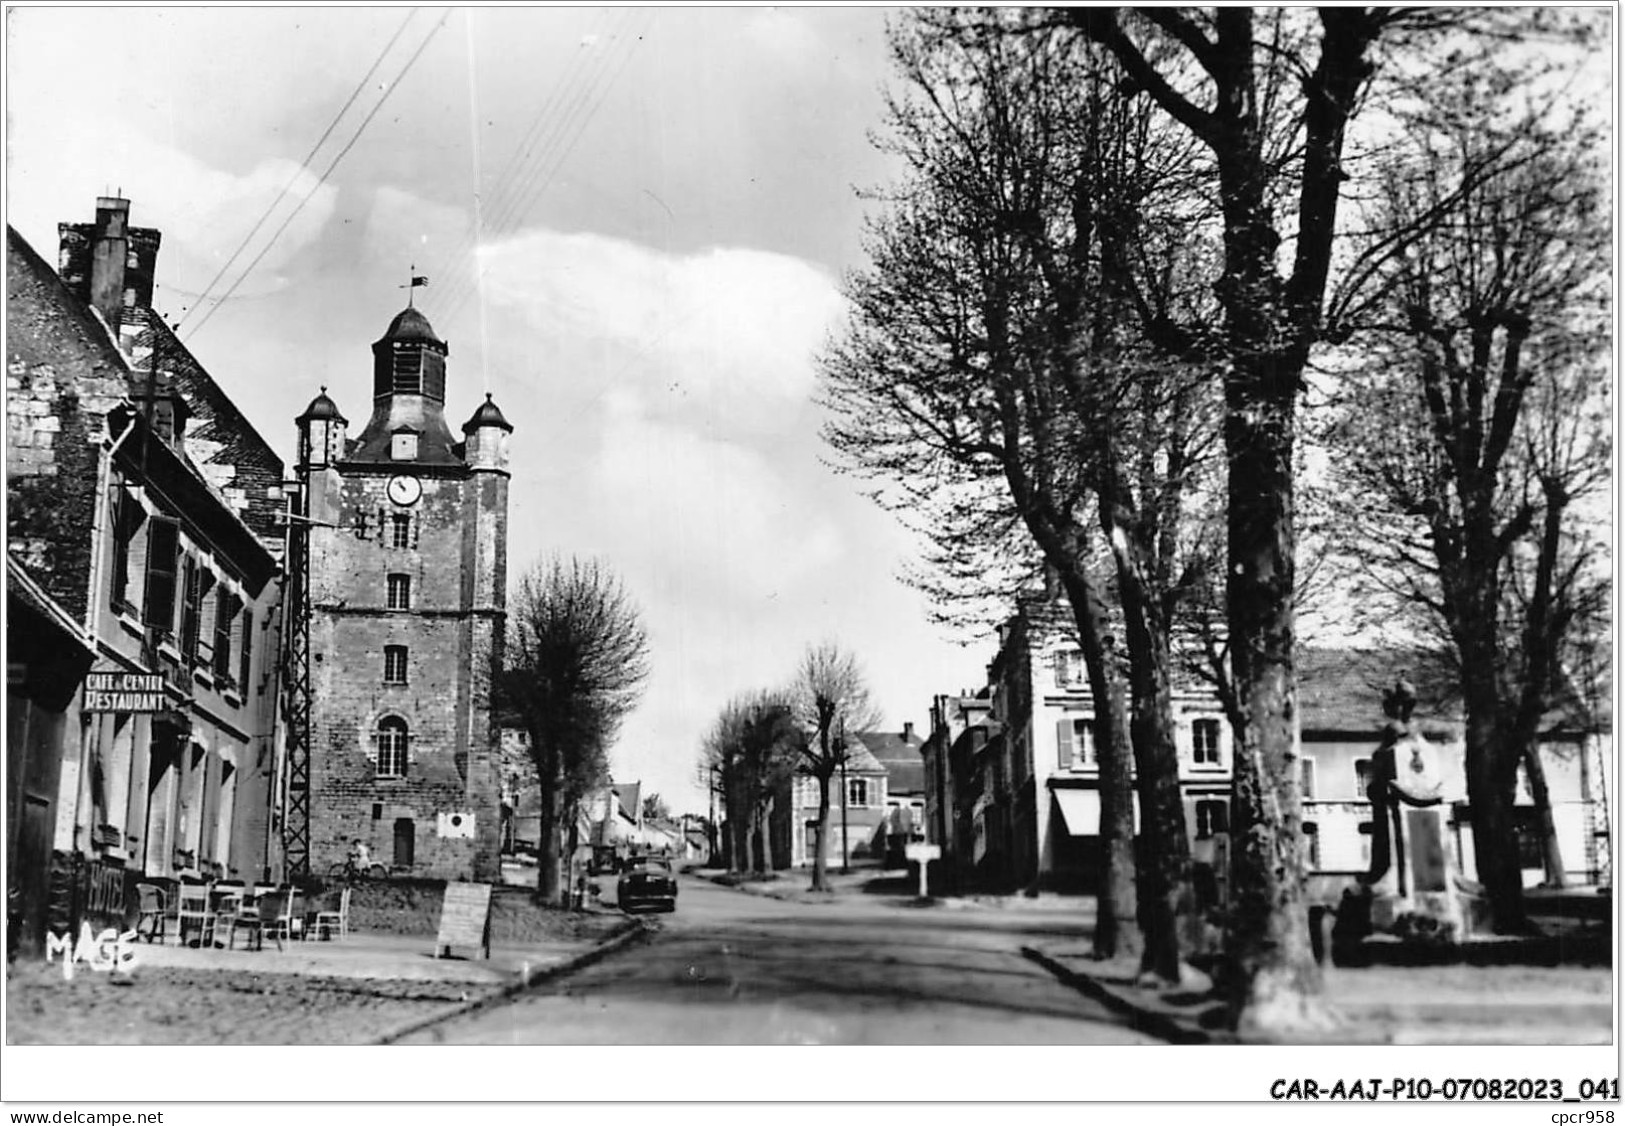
(1142, 1019)
(632, 931)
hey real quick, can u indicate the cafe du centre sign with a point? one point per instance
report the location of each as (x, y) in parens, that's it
(124, 692)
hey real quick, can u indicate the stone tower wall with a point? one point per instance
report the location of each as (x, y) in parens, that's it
(452, 633)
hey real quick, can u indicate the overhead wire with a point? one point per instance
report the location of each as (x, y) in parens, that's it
(529, 147)
(303, 164)
(548, 157)
(399, 77)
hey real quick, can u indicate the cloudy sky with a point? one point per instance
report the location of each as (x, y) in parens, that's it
(667, 204)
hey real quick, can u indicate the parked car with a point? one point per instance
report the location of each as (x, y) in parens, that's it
(647, 882)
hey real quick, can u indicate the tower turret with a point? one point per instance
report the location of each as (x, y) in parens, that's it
(486, 446)
(321, 433)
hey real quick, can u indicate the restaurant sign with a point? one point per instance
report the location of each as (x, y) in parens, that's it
(124, 692)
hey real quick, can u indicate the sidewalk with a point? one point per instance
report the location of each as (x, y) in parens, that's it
(875, 885)
(1452, 1004)
(369, 987)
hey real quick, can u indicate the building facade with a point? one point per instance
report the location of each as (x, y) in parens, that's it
(141, 520)
(857, 822)
(1012, 778)
(407, 575)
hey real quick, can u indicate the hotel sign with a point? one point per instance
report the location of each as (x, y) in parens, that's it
(124, 692)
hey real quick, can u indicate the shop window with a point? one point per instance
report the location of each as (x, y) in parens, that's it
(391, 737)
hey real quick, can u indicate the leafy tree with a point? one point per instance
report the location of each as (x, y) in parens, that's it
(830, 704)
(577, 659)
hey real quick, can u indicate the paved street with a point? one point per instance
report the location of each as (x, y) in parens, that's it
(743, 969)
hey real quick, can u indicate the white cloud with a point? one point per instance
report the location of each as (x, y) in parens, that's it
(204, 212)
(707, 519)
(728, 333)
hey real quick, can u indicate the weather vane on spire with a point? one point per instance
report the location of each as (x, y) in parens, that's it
(417, 280)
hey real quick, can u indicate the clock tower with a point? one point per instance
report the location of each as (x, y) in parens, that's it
(407, 530)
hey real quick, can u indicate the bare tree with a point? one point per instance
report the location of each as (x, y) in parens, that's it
(577, 659)
(753, 748)
(1024, 376)
(831, 705)
(1486, 332)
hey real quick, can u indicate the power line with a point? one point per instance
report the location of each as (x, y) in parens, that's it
(310, 156)
(533, 151)
(399, 77)
(519, 204)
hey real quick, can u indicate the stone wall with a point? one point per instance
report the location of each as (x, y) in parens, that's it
(451, 641)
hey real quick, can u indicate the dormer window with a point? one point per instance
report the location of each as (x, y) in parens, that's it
(403, 445)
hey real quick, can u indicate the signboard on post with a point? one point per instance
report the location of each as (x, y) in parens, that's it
(922, 854)
(465, 920)
(124, 692)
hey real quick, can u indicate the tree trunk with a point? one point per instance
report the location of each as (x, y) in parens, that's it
(572, 832)
(758, 842)
(547, 844)
(1117, 928)
(739, 833)
(1551, 851)
(1165, 857)
(820, 873)
(1491, 786)
(1272, 981)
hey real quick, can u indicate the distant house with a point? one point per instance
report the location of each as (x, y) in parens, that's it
(960, 727)
(858, 822)
(900, 754)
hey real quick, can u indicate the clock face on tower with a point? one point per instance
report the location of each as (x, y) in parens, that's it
(404, 490)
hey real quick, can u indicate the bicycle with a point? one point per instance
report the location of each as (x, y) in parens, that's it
(351, 873)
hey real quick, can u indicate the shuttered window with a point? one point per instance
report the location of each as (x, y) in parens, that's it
(226, 607)
(163, 551)
(246, 655)
(1075, 743)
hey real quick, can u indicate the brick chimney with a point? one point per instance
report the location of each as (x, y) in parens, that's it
(908, 731)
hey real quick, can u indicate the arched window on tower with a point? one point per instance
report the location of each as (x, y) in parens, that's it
(391, 739)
